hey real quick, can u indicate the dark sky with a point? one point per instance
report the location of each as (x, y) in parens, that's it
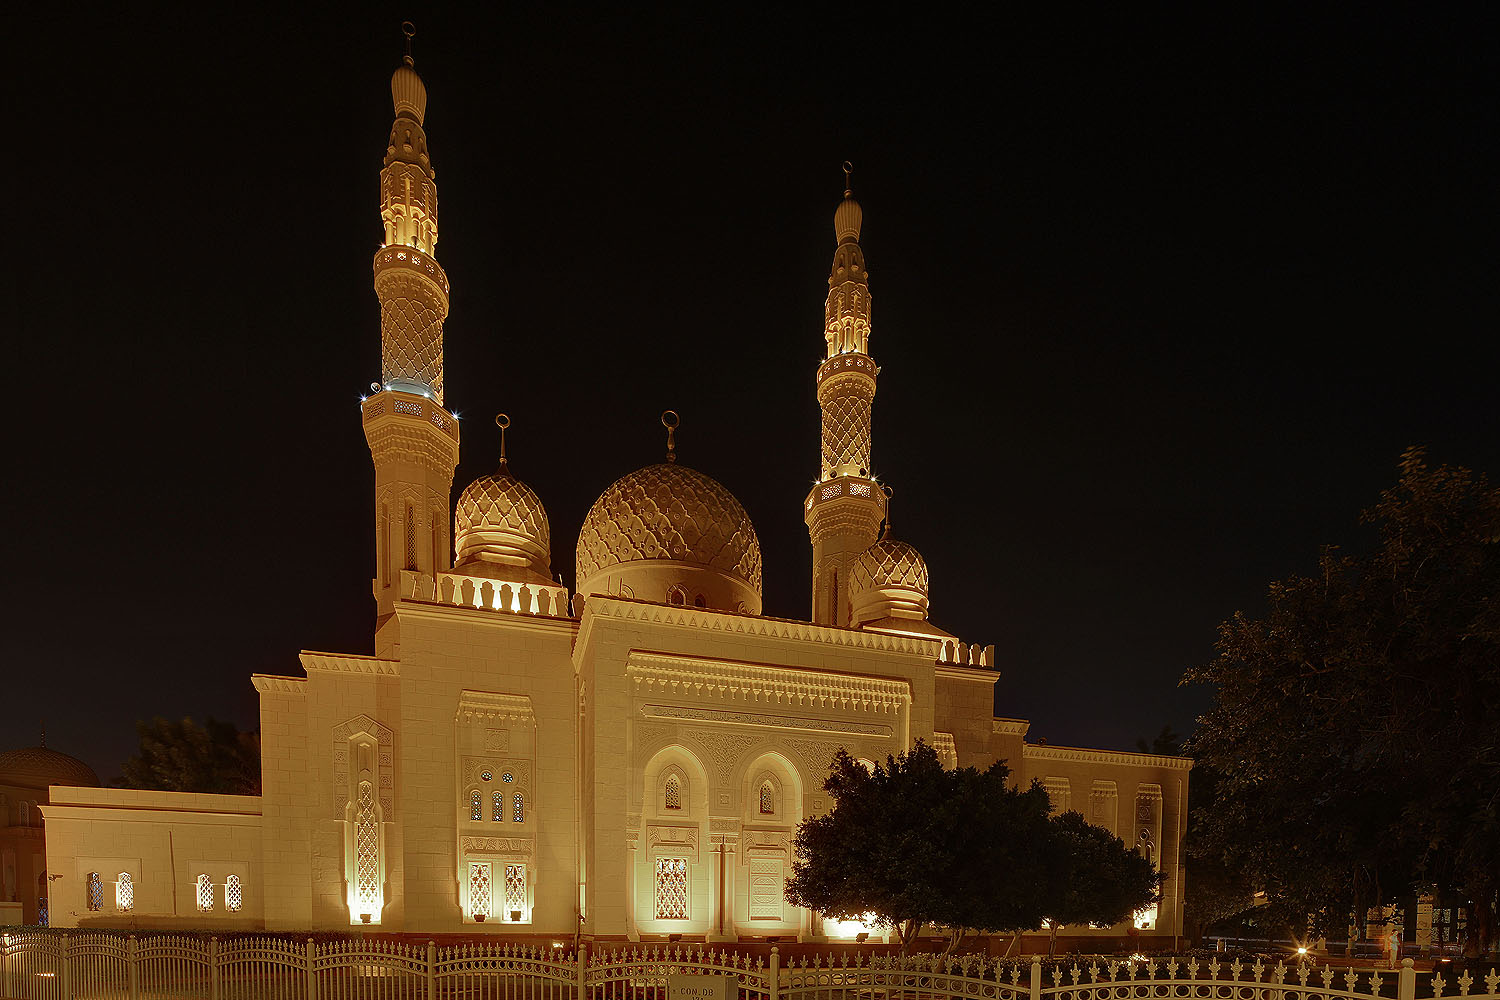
(1158, 305)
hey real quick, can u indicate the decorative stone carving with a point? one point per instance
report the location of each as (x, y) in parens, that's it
(682, 840)
(762, 719)
(520, 846)
(384, 746)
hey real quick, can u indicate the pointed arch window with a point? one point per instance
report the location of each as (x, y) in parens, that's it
(767, 799)
(677, 597)
(96, 892)
(411, 537)
(672, 794)
(205, 894)
(124, 893)
(518, 808)
(234, 894)
(497, 807)
(476, 806)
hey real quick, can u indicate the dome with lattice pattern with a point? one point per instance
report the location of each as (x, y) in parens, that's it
(667, 533)
(38, 767)
(500, 531)
(889, 581)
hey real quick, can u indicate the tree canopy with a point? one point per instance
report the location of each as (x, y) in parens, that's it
(186, 757)
(910, 843)
(1355, 729)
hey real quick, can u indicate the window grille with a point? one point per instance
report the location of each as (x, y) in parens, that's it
(672, 798)
(476, 807)
(515, 889)
(366, 851)
(124, 893)
(411, 537)
(497, 807)
(205, 893)
(767, 799)
(96, 891)
(479, 888)
(385, 543)
(671, 889)
(234, 896)
(518, 811)
(41, 911)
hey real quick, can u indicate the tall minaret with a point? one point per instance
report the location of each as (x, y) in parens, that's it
(413, 439)
(846, 506)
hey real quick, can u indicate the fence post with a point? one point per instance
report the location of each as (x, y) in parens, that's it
(213, 968)
(66, 972)
(773, 981)
(312, 986)
(1036, 977)
(431, 970)
(132, 970)
(582, 958)
(1407, 988)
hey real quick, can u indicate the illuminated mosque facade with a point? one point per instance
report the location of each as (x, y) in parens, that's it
(626, 761)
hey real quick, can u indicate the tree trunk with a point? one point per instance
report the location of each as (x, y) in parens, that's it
(955, 936)
(1015, 942)
(1052, 941)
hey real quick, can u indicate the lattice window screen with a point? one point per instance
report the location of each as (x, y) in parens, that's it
(96, 891)
(205, 893)
(497, 807)
(518, 812)
(672, 799)
(671, 889)
(234, 894)
(411, 537)
(515, 889)
(124, 893)
(366, 851)
(479, 888)
(767, 883)
(476, 806)
(767, 799)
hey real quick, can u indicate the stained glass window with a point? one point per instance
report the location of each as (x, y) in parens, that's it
(497, 807)
(96, 891)
(671, 889)
(518, 810)
(767, 799)
(479, 888)
(205, 893)
(366, 851)
(515, 889)
(476, 806)
(234, 895)
(124, 893)
(672, 798)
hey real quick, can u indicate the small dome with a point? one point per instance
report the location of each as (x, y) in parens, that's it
(38, 767)
(500, 531)
(671, 520)
(408, 92)
(889, 581)
(847, 219)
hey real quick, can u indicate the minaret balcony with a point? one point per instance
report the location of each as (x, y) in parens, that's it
(850, 361)
(398, 257)
(408, 406)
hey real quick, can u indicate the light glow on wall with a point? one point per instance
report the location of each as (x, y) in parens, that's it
(1145, 918)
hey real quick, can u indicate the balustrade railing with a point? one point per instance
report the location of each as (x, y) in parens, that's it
(40, 965)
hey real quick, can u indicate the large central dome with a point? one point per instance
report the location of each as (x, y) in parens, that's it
(667, 533)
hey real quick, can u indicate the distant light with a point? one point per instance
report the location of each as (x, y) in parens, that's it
(455, 414)
(1302, 950)
(363, 398)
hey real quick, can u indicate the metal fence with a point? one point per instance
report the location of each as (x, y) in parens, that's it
(39, 965)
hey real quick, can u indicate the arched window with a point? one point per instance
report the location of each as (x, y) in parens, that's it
(672, 795)
(96, 892)
(234, 896)
(367, 851)
(476, 807)
(124, 893)
(497, 807)
(518, 811)
(699, 602)
(205, 893)
(677, 597)
(767, 799)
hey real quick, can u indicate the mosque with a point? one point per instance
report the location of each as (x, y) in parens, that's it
(628, 760)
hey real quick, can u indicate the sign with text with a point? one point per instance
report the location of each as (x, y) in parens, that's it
(702, 988)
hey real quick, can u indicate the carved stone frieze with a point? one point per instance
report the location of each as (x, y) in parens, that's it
(520, 846)
(682, 839)
(685, 713)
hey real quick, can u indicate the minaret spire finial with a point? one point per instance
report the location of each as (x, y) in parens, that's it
(670, 420)
(886, 532)
(44, 732)
(848, 183)
(408, 29)
(502, 421)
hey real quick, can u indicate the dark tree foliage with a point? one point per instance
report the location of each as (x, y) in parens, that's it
(912, 843)
(1093, 878)
(1356, 726)
(186, 757)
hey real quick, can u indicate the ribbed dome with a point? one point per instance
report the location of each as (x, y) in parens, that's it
(889, 563)
(499, 522)
(408, 92)
(669, 512)
(847, 219)
(888, 589)
(38, 767)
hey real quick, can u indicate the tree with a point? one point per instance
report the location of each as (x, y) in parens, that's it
(910, 843)
(1093, 878)
(1356, 726)
(186, 757)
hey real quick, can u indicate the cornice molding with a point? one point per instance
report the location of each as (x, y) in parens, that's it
(956, 672)
(273, 684)
(492, 705)
(1032, 751)
(341, 663)
(787, 686)
(1010, 727)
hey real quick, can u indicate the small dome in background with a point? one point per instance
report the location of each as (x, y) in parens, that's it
(847, 219)
(888, 589)
(500, 531)
(408, 92)
(38, 767)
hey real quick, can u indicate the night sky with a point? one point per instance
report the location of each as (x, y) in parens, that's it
(1158, 305)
